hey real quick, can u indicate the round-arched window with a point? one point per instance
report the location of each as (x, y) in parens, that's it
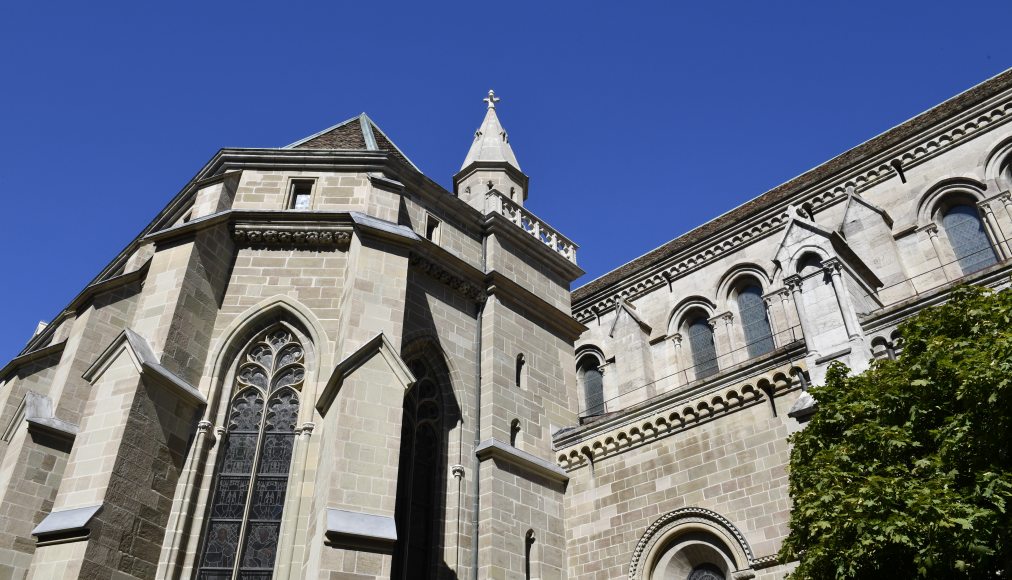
(754, 321)
(966, 235)
(704, 353)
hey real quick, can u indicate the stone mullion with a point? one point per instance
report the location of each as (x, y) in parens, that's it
(252, 483)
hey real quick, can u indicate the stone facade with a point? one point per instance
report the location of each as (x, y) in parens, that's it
(317, 363)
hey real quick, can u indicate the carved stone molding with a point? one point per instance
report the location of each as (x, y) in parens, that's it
(970, 125)
(268, 235)
(438, 272)
(688, 515)
(679, 417)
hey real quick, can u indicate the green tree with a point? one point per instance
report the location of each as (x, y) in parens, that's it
(905, 469)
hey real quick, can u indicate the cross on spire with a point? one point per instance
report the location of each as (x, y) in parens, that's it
(491, 99)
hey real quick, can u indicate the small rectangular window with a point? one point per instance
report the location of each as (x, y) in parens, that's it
(302, 190)
(432, 229)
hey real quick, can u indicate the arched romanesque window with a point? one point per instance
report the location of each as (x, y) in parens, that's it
(418, 485)
(244, 522)
(754, 321)
(588, 371)
(966, 235)
(704, 353)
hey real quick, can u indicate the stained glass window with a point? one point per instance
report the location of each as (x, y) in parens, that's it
(706, 572)
(420, 466)
(593, 384)
(704, 354)
(966, 235)
(249, 495)
(754, 321)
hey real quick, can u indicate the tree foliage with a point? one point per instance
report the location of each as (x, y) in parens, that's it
(905, 470)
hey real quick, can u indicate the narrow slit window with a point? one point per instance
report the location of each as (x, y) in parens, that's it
(301, 194)
(432, 229)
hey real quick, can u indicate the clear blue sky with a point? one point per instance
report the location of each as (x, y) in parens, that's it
(634, 120)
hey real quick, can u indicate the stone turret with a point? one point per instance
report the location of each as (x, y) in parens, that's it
(490, 164)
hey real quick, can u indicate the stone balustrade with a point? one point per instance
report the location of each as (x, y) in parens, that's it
(530, 223)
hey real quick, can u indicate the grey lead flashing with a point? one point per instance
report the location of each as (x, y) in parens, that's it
(361, 531)
(65, 525)
(383, 227)
(495, 449)
(148, 366)
(370, 139)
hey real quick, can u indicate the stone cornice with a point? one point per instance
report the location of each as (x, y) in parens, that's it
(668, 414)
(539, 310)
(31, 356)
(441, 272)
(876, 168)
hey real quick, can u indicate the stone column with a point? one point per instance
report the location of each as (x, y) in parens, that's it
(294, 524)
(835, 269)
(679, 359)
(994, 229)
(177, 531)
(932, 231)
(794, 285)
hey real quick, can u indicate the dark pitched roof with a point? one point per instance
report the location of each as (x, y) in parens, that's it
(357, 133)
(784, 191)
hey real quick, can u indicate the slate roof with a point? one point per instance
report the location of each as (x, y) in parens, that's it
(786, 190)
(357, 133)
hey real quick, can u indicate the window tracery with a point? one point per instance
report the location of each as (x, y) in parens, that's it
(249, 494)
(420, 461)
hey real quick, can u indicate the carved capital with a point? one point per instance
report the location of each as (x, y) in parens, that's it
(931, 229)
(457, 471)
(832, 266)
(793, 284)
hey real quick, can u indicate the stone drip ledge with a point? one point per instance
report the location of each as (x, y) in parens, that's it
(673, 420)
(37, 410)
(495, 449)
(69, 525)
(361, 531)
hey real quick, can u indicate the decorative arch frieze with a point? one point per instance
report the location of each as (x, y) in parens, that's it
(680, 416)
(967, 126)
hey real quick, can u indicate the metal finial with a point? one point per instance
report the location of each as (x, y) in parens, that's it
(491, 99)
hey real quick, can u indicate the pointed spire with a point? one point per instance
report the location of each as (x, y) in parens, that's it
(491, 142)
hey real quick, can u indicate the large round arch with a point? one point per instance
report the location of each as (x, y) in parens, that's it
(690, 543)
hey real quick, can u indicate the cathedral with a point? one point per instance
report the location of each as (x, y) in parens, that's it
(316, 362)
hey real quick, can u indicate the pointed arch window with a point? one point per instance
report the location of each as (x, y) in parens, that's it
(420, 465)
(754, 321)
(965, 230)
(244, 521)
(704, 353)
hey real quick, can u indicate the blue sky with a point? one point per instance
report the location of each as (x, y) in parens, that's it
(635, 121)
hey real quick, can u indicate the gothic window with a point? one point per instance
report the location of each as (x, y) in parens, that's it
(245, 517)
(966, 235)
(755, 323)
(588, 370)
(706, 572)
(420, 467)
(704, 353)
